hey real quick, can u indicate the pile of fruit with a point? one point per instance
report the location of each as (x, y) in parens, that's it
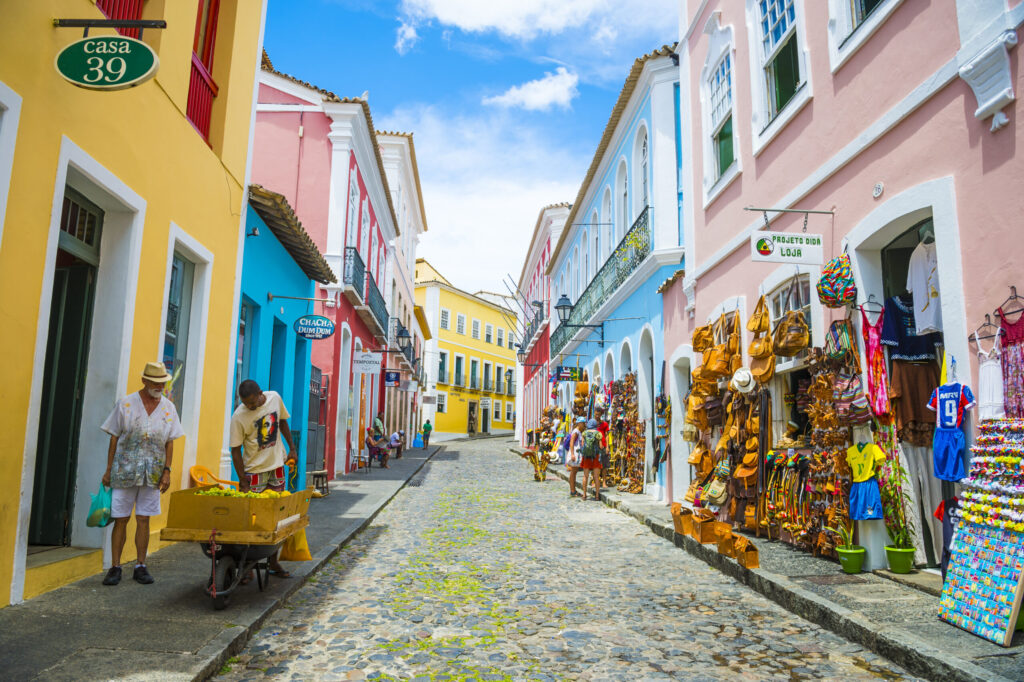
(231, 492)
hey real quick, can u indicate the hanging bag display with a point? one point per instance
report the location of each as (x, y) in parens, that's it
(836, 287)
(791, 333)
(759, 320)
(717, 360)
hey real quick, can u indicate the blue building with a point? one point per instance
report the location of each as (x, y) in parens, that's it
(622, 240)
(280, 267)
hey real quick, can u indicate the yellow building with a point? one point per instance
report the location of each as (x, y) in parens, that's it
(120, 240)
(468, 390)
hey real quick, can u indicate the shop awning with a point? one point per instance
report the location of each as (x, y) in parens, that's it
(277, 213)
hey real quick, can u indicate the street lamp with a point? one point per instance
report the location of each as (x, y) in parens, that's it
(521, 355)
(404, 338)
(508, 376)
(564, 307)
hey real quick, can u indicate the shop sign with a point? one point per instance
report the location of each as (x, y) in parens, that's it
(107, 62)
(392, 379)
(429, 400)
(569, 374)
(485, 402)
(314, 327)
(409, 386)
(787, 247)
(364, 362)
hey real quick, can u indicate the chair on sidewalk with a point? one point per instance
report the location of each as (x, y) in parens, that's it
(201, 476)
(320, 481)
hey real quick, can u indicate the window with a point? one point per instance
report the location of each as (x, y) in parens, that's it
(476, 329)
(474, 374)
(861, 9)
(497, 410)
(489, 333)
(779, 52)
(510, 411)
(608, 220)
(623, 196)
(122, 9)
(643, 165)
(247, 325)
(499, 377)
(353, 210)
(442, 368)
(787, 298)
(459, 379)
(851, 23)
(445, 321)
(176, 329)
(501, 336)
(371, 259)
(510, 340)
(720, 96)
(364, 232)
(201, 88)
(442, 403)
(460, 324)
(381, 263)
(487, 377)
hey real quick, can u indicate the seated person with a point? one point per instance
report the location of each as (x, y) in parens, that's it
(378, 448)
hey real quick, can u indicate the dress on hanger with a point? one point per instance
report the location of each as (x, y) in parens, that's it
(1013, 365)
(990, 381)
(878, 380)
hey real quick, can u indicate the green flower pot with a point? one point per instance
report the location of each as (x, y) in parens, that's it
(900, 560)
(851, 559)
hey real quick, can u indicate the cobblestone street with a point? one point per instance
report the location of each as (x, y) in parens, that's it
(474, 571)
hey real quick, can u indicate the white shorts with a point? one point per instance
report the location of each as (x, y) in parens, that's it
(144, 499)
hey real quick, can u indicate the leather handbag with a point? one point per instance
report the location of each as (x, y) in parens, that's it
(713, 410)
(763, 369)
(792, 334)
(760, 347)
(717, 360)
(759, 321)
(703, 338)
(696, 453)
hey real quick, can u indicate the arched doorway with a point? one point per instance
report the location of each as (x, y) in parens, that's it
(645, 402)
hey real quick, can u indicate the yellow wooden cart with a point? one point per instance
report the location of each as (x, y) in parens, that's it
(237, 534)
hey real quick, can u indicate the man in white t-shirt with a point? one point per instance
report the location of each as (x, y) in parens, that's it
(257, 427)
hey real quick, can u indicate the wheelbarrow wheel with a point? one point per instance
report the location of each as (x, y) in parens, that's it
(225, 577)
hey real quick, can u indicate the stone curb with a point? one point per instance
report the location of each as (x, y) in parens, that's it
(232, 640)
(910, 652)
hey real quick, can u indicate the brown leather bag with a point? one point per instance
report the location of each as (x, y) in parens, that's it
(760, 347)
(791, 333)
(759, 321)
(717, 360)
(703, 338)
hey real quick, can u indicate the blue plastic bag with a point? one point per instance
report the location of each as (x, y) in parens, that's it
(417, 441)
(99, 510)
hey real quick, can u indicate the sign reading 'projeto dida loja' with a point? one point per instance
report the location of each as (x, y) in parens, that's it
(799, 248)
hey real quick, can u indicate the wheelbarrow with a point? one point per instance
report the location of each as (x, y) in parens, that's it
(230, 563)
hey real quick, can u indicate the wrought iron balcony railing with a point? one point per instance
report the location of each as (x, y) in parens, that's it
(355, 272)
(376, 302)
(499, 386)
(474, 382)
(488, 384)
(459, 379)
(442, 376)
(531, 329)
(511, 388)
(626, 257)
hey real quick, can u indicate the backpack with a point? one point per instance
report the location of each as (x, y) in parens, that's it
(591, 444)
(836, 287)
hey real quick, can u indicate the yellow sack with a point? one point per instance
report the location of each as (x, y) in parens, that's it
(295, 548)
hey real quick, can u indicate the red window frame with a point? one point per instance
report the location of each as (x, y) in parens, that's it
(201, 87)
(209, 38)
(122, 9)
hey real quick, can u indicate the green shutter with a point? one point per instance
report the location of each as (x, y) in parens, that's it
(723, 146)
(785, 71)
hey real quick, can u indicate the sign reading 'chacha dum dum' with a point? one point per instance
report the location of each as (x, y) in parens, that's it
(314, 327)
(107, 62)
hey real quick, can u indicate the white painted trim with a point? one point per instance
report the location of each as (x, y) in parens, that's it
(10, 115)
(625, 351)
(761, 130)
(609, 365)
(225, 450)
(75, 166)
(290, 108)
(290, 87)
(202, 258)
(937, 199)
(890, 119)
(721, 42)
(844, 39)
(681, 478)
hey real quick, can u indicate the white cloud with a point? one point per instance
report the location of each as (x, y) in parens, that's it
(554, 89)
(405, 37)
(481, 200)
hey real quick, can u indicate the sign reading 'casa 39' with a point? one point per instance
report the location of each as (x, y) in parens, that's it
(107, 62)
(314, 327)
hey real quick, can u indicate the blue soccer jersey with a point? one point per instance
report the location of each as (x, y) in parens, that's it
(949, 402)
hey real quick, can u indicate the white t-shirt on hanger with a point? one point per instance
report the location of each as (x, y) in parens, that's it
(923, 283)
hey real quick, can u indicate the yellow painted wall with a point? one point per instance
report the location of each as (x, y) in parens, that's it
(141, 136)
(456, 417)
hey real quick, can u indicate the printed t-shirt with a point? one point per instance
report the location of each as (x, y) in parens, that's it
(923, 284)
(863, 458)
(258, 433)
(949, 402)
(141, 440)
(899, 332)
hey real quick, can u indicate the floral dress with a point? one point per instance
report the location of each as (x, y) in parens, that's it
(1013, 366)
(878, 381)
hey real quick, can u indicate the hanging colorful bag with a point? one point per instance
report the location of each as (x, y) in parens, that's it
(836, 287)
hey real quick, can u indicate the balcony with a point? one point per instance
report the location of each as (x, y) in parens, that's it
(442, 376)
(474, 382)
(201, 93)
(628, 255)
(532, 328)
(459, 379)
(511, 388)
(499, 386)
(354, 276)
(488, 384)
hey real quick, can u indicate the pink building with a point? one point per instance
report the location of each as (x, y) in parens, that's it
(897, 117)
(321, 151)
(534, 393)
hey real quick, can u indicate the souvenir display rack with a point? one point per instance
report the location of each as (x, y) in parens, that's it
(627, 438)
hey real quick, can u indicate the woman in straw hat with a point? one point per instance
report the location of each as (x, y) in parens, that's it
(142, 428)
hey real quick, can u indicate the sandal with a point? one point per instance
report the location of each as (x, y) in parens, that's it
(279, 573)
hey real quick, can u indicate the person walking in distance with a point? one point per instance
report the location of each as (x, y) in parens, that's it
(574, 456)
(427, 428)
(590, 460)
(142, 428)
(258, 427)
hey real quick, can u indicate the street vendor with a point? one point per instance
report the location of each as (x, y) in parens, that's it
(142, 428)
(257, 428)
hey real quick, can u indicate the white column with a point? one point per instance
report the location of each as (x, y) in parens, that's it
(665, 228)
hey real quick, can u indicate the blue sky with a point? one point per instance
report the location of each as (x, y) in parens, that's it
(506, 99)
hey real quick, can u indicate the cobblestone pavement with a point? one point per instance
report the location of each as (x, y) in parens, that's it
(477, 572)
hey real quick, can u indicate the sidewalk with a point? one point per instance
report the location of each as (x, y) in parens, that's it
(169, 630)
(894, 616)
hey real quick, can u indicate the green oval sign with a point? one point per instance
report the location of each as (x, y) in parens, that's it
(107, 62)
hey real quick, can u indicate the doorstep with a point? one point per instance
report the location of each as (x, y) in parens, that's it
(895, 618)
(51, 568)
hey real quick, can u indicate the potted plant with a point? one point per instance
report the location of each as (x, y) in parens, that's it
(851, 556)
(900, 553)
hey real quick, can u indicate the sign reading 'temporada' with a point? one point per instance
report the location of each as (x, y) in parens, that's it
(107, 62)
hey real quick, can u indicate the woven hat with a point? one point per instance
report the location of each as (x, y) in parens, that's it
(156, 372)
(743, 381)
